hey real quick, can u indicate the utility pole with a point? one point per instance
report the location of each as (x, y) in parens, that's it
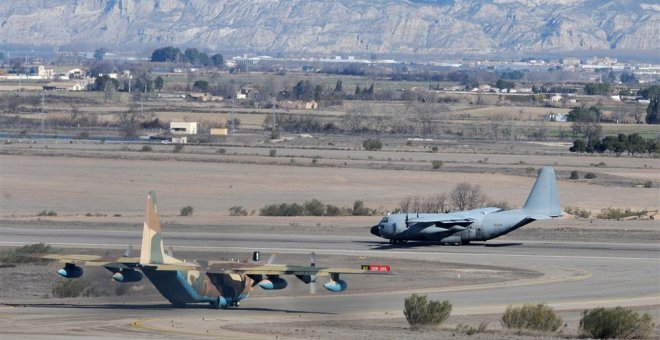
(231, 118)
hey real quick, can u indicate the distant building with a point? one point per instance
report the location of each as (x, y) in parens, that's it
(183, 128)
(570, 62)
(559, 117)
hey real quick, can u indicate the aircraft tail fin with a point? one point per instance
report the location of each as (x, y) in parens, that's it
(543, 200)
(152, 251)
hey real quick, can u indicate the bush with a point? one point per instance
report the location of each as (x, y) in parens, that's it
(648, 184)
(617, 213)
(272, 152)
(420, 312)
(237, 211)
(372, 144)
(15, 255)
(69, 288)
(574, 175)
(186, 211)
(578, 212)
(590, 175)
(222, 151)
(539, 317)
(178, 148)
(620, 323)
(146, 148)
(436, 164)
(47, 213)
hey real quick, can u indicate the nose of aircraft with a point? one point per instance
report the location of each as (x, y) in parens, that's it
(374, 230)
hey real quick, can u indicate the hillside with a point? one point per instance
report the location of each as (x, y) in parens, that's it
(389, 27)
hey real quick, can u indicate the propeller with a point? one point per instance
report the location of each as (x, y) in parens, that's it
(128, 251)
(271, 259)
(312, 283)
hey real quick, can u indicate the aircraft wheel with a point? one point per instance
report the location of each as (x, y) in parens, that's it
(178, 304)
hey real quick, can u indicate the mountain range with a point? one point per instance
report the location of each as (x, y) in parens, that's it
(325, 27)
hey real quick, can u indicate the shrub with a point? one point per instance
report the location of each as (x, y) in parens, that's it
(69, 288)
(186, 211)
(590, 175)
(621, 323)
(436, 164)
(469, 330)
(237, 211)
(17, 255)
(372, 144)
(574, 175)
(178, 148)
(47, 213)
(146, 148)
(539, 317)
(617, 213)
(648, 184)
(272, 152)
(434, 149)
(420, 312)
(575, 211)
(222, 151)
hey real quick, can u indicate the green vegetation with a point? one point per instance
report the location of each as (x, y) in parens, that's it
(575, 211)
(201, 85)
(237, 210)
(421, 313)
(190, 55)
(372, 144)
(436, 164)
(619, 322)
(648, 184)
(146, 148)
(316, 208)
(590, 175)
(539, 317)
(186, 211)
(618, 213)
(178, 148)
(469, 330)
(17, 255)
(272, 152)
(602, 89)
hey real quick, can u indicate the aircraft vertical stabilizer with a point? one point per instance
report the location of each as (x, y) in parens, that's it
(152, 242)
(543, 200)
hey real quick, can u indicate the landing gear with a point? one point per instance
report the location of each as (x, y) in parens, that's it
(394, 241)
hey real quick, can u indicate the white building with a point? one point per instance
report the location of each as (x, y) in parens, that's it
(183, 128)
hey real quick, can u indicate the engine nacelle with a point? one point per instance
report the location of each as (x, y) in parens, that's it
(306, 278)
(127, 275)
(273, 283)
(336, 286)
(70, 271)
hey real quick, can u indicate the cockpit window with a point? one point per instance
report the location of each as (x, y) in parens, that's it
(384, 220)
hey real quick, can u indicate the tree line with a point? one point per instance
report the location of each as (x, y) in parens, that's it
(189, 55)
(633, 144)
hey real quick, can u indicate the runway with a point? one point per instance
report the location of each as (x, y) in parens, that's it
(577, 275)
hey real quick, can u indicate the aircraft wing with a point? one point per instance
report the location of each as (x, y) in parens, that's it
(279, 269)
(90, 260)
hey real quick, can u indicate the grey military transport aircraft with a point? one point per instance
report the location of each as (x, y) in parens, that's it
(481, 224)
(222, 284)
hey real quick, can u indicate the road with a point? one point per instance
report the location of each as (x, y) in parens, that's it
(576, 275)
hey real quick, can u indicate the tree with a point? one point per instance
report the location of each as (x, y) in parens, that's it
(338, 86)
(465, 196)
(165, 54)
(99, 53)
(597, 89)
(579, 145)
(217, 60)
(649, 92)
(652, 110)
(171, 54)
(158, 83)
(627, 78)
(201, 85)
(196, 57)
(586, 121)
(102, 83)
(16, 65)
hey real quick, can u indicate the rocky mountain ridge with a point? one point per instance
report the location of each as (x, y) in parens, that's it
(388, 27)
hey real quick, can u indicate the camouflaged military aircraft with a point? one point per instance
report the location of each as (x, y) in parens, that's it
(481, 224)
(222, 284)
